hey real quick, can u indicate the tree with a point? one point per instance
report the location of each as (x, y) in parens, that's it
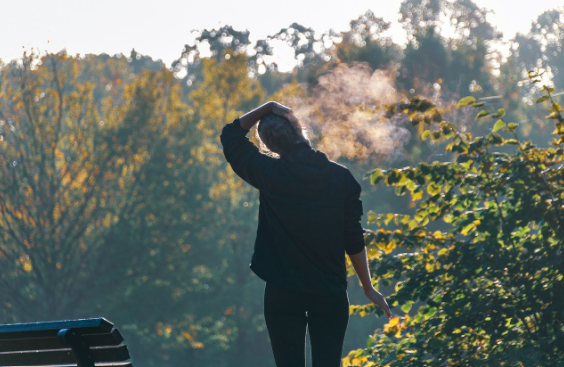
(227, 92)
(542, 46)
(68, 169)
(364, 42)
(418, 16)
(221, 42)
(457, 64)
(470, 22)
(197, 219)
(490, 275)
(425, 62)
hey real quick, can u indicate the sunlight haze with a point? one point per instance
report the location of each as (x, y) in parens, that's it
(160, 29)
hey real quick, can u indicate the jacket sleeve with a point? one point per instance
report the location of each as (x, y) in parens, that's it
(243, 156)
(354, 233)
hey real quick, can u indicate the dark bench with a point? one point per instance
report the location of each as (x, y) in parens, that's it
(82, 343)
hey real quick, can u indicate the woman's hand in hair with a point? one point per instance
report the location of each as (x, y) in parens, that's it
(249, 119)
(284, 111)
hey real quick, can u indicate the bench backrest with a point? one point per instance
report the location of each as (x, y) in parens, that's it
(82, 343)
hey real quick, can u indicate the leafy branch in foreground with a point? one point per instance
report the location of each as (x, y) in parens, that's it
(482, 253)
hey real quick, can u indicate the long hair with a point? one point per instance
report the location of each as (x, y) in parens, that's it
(279, 134)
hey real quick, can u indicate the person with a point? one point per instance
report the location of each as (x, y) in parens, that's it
(309, 217)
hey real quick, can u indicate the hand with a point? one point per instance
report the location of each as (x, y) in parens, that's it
(284, 111)
(378, 300)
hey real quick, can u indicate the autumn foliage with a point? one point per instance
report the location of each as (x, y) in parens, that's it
(116, 200)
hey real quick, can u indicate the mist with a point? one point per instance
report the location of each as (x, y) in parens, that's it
(344, 117)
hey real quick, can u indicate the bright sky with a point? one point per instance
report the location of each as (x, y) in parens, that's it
(160, 28)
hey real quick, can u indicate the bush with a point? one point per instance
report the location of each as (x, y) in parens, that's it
(483, 252)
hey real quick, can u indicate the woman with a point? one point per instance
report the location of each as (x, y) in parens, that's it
(309, 217)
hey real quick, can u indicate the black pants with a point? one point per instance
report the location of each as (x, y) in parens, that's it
(287, 315)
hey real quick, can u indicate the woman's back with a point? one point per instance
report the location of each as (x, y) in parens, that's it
(309, 217)
(309, 214)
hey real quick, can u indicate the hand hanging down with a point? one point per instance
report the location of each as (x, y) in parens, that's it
(360, 264)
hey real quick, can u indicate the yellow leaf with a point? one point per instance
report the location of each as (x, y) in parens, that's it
(398, 286)
(416, 195)
(468, 228)
(389, 247)
(197, 345)
(26, 263)
(107, 220)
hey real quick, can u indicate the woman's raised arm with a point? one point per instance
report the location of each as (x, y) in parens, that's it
(249, 119)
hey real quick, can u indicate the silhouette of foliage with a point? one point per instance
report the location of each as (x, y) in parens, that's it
(490, 278)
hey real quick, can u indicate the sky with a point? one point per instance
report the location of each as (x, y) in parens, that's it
(161, 28)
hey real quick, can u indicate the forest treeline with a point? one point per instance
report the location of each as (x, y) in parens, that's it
(116, 200)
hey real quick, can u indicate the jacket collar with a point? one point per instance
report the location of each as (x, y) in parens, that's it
(301, 152)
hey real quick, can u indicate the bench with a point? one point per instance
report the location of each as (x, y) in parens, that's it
(81, 343)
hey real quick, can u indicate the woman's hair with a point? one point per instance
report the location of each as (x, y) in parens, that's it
(278, 134)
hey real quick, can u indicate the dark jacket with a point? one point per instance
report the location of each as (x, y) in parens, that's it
(309, 214)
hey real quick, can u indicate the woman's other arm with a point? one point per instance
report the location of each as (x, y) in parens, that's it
(360, 264)
(354, 241)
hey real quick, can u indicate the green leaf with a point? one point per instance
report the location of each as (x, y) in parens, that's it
(468, 228)
(433, 188)
(553, 115)
(550, 90)
(499, 113)
(431, 312)
(511, 127)
(407, 307)
(542, 98)
(398, 286)
(495, 139)
(559, 128)
(500, 124)
(511, 141)
(371, 217)
(482, 114)
(479, 104)
(468, 164)
(376, 176)
(466, 101)
(393, 177)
